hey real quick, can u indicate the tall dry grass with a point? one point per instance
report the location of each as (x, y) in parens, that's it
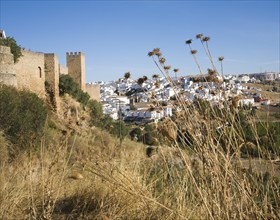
(201, 175)
(93, 178)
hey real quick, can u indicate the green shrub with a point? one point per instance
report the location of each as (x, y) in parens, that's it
(67, 85)
(15, 48)
(22, 116)
(120, 129)
(96, 113)
(136, 132)
(150, 135)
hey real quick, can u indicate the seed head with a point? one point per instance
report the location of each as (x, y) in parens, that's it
(221, 58)
(211, 72)
(167, 67)
(156, 50)
(216, 80)
(157, 84)
(189, 41)
(205, 39)
(199, 36)
(150, 54)
(193, 51)
(162, 60)
(176, 70)
(159, 54)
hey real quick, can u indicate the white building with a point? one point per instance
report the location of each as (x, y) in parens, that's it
(246, 102)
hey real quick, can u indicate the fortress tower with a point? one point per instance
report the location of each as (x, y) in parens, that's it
(76, 68)
(52, 78)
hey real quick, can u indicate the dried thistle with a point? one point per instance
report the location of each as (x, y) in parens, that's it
(150, 54)
(176, 70)
(193, 51)
(167, 67)
(155, 76)
(221, 58)
(211, 72)
(189, 41)
(152, 107)
(158, 54)
(205, 39)
(216, 80)
(157, 84)
(235, 101)
(162, 60)
(199, 36)
(156, 50)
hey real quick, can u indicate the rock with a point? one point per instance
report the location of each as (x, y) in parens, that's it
(76, 176)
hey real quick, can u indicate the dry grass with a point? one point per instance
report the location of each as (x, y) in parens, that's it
(121, 183)
(273, 96)
(86, 175)
(268, 113)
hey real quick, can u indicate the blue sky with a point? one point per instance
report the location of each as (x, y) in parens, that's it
(117, 35)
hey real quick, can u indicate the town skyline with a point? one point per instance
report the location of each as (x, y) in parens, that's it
(117, 35)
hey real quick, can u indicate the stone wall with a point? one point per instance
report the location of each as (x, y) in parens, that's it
(76, 68)
(34, 69)
(52, 79)
(63, 69)
(30, 72)
(94, 91)
(7, 72)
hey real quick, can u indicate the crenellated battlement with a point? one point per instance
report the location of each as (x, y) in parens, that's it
(74, 54)
(35, 70)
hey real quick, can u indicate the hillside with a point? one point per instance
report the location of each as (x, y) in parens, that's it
(80, 171)
(266, 90)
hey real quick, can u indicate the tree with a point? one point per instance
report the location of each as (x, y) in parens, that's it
(96, 114)
(155, 76)
(150, 136)
(127, 75)
(136, 132)
(22, 116)
(67, 85)
(140, 81)
(15, 48)
(120, 130)
(145, 78)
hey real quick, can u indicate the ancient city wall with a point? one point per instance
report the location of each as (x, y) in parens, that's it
(30, 72)
(94, 91)
(52, 72)
(34, 69)
(52, 79)
(76, 68)
(7, 72)
(63, 69)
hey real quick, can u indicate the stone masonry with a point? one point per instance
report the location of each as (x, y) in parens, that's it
(30, 72)
(76, 68)
(52, 78)
(34, 71)
(7, 72)
(94, 91)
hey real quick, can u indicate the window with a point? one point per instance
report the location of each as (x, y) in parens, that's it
(40, 72)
